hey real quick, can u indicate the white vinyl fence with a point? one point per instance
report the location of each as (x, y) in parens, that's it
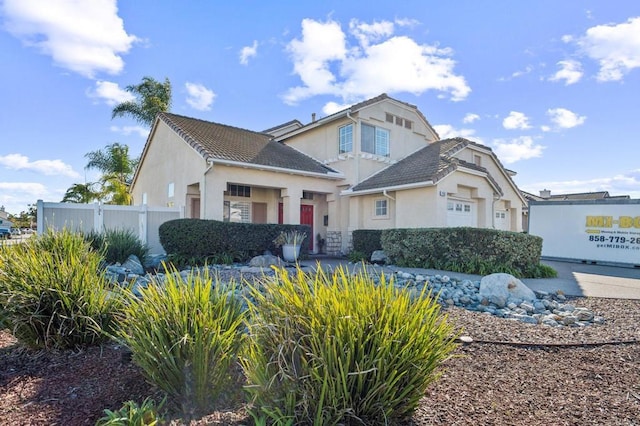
(143, 221)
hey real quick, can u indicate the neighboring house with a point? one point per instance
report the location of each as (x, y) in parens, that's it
(5, 223)
(545, 195)
(378, 164)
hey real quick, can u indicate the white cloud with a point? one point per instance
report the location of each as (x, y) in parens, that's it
(200, 97)
(16, 196)
(86, 37)
(615, 47)
(470, 118)
(513, 150)
(446, 131)
(565, 119)
(627, 183)
(248, 52)
(333, 107)
(371, 61)
(527, 70)
(570, 71)
(111, 93)
(516, 120)
(127, 130)
(45, 167)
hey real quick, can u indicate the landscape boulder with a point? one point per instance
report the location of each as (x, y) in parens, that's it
(379, 257)
(501, 289)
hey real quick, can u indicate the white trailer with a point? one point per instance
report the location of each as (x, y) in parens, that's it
(590, 231)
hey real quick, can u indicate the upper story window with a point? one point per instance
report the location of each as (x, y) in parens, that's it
(477, 160)
(238, 190)
(375, 140)
(346, 138)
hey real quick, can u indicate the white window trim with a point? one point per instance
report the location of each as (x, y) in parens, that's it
(375, 208)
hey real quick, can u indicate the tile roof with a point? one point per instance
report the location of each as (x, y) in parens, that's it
(430, 163)
(221, 142)
(295, 122)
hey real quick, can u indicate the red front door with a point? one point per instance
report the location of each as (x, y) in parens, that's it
(306, 218)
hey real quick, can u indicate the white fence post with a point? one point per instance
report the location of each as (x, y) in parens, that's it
(142, 224)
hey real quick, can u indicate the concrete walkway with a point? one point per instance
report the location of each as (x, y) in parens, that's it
(574, 279)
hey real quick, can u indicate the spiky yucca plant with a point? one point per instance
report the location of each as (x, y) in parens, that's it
(338, 349)
(52, 294)
(184, 335)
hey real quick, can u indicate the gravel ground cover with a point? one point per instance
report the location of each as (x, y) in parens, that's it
(512, 374)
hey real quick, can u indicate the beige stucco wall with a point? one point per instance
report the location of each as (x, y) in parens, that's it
(170, 160)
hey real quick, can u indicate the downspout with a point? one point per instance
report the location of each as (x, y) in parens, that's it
(355, 144)
(493, 210)
(203, 193)
(384, 192)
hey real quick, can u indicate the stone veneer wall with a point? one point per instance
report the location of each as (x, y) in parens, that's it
(334, 243)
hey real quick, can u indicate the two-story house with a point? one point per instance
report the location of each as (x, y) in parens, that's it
(378, 164)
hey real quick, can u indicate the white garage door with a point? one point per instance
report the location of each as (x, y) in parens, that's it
(461, 213)
(502, 220)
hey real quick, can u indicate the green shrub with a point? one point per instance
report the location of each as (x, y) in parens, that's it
(202, 239)
(367, 241)
(356, 256)
(185, 336)
(51, 293)
(327, 350)
(117, 245)
(132, 414)
(468, 250)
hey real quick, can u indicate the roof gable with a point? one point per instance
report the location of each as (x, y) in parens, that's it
(427, 165)
(217, 142)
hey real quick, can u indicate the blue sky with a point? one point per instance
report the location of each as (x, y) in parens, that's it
(551, 86)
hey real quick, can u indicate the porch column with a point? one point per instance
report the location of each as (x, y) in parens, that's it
(291, 206)
(212, 198)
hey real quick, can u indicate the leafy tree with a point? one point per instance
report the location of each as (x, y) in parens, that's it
(152, 97)
(117, 172)
(81, 193)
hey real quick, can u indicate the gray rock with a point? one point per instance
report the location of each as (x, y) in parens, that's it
(154, 262)
(265, 261)
(134, 265)
(528, 307)
(569, 320)
(583, 314)
(505, 286)
(379, 256)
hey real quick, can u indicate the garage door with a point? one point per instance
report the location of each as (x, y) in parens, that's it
(502, 220)
(461, 213)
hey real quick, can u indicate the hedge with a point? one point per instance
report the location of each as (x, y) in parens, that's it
(472, 250)
(200, 238)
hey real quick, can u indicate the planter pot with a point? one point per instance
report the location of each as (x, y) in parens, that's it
(290, 252)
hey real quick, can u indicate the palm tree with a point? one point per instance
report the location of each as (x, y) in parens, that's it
(117, 171)
(152, 97)
(81, 193)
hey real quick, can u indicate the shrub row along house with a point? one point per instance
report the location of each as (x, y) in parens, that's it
(376, 165)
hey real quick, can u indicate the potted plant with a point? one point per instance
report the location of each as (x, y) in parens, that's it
(290, 241)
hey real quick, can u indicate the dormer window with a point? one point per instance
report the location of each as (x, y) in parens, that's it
(375, 140)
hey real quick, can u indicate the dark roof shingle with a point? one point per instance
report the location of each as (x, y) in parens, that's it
(221, 142)
(429, 164)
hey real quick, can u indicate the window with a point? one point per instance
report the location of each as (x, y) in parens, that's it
(375, 140)
(467, 208)
(171, 190)
(306, 195)
(381, 208)
(458, 207)
(477, 160)
(237, 211)
(346, 138)
(408, 124)
(450, 206)
(238, 190)
(389, 117)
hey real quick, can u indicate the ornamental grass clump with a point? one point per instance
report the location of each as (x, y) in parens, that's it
(116, 245)
(339, 349)
(185, 335)
(52, 295)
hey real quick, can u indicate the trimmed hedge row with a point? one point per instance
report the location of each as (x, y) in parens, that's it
(366, 241)
(199, 238)
(463, 249)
